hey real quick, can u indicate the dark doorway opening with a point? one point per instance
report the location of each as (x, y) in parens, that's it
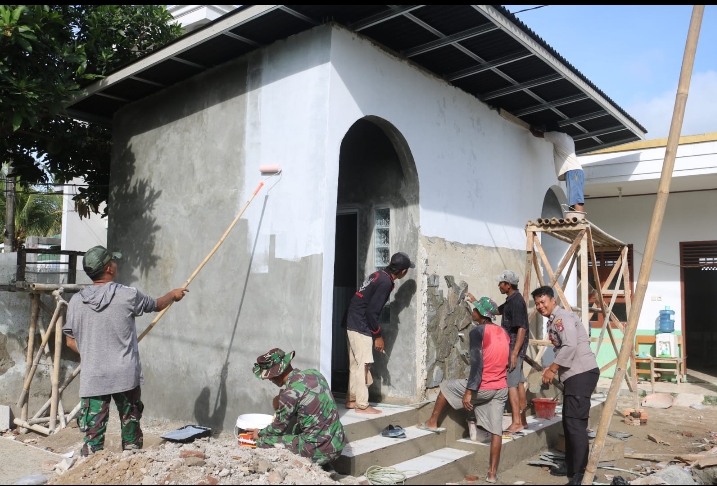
(345, 282)
(699, 293)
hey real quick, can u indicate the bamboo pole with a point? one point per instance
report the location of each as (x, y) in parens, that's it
(35, 427)
(56, 373)
(584, 280)
(30, 348)
(65, 384)
(658, 214)
(35, 362)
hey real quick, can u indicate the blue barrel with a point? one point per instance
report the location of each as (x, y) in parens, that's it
(667, 323)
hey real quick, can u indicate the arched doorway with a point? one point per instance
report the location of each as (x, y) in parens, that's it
(377, 215)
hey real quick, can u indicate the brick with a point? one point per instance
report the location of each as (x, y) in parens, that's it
(189, 453)
(5, 418)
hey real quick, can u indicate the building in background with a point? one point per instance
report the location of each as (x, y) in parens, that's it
(620, 190)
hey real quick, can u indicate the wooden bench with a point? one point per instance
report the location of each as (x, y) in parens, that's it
(679, 363)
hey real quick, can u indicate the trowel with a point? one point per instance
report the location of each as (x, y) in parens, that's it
(536, 384)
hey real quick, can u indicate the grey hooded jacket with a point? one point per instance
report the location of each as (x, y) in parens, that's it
(101, 319)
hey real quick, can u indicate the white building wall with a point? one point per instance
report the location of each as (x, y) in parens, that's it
(80, 234)
(686, 219)
(481, 177)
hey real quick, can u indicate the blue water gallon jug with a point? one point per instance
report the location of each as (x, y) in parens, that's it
(667, 323)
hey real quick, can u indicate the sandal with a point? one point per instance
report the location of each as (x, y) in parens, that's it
(492, 481)
(423, 426)
(394, 432)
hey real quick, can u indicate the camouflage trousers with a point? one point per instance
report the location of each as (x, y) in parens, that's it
(95, 412)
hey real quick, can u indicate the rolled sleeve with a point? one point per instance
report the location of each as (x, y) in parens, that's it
(476, 343)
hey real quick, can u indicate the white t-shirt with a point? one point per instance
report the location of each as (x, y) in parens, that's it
(563, 153)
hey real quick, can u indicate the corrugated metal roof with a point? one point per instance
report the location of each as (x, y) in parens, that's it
(483, 49)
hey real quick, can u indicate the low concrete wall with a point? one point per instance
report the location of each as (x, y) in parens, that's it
(15, 307)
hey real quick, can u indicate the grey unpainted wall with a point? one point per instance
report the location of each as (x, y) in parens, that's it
(178, 173)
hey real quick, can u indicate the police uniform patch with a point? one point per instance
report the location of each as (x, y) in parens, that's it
(559, 325)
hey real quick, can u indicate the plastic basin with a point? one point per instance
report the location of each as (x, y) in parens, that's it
(545, 407)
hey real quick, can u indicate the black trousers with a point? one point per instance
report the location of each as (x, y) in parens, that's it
(576, 412)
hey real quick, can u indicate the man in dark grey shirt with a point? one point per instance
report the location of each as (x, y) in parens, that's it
(100, 327)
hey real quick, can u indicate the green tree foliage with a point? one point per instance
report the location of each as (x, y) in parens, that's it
(38, 212)
(47, 54)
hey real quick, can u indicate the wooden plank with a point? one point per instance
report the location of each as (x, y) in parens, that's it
(540, 342)
(608, 365)
(570, 253)
(538, 272)
(584, 281)
(529, 257)
(570, 269)
(553, 277)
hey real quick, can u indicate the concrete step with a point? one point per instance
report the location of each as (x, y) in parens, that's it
(360, 426)
(382, 451)
(437, 467)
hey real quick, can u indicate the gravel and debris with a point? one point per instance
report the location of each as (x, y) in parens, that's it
(205, 461)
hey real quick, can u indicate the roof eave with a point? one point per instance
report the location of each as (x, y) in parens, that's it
(519, 35)
(213, 29)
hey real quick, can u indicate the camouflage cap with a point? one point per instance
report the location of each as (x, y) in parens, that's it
(272, 363)
(486, 307)
(96, 259)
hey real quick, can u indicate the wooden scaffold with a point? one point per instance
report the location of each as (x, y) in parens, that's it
(57, 419)
(584, 239)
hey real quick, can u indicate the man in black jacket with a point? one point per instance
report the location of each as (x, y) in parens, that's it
(363, 329)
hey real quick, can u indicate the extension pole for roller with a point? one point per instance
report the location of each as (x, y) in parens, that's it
(206, 259)
(658, 214)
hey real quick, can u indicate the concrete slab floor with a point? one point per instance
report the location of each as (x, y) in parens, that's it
(19, 459)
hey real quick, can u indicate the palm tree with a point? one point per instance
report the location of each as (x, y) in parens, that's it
(38, 212)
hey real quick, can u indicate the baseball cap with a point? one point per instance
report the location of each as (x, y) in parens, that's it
(508, 276)
(401, 261)
(97, 258)
(486, 307)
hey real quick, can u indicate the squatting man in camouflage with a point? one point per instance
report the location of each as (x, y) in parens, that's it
(317, 433)
(100, 327)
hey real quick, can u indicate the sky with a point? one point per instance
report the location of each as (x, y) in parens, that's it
(634, 55)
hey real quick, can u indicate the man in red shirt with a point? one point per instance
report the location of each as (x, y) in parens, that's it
(486, 389)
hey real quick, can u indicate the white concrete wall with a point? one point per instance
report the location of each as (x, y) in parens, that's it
(481, 177)
(686, 219)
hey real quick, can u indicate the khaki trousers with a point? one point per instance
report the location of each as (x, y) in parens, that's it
(360, 355)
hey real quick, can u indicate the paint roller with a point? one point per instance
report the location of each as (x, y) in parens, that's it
(266, 171)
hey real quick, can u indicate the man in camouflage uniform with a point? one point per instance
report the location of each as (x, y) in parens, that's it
(100, 327)
(318, 433)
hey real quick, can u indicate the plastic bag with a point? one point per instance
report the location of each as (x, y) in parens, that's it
(32, 479)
